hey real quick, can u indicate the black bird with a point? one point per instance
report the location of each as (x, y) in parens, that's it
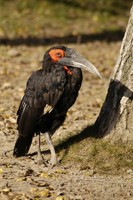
(49, 93)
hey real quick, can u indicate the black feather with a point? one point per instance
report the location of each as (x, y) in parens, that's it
(51, 86)
(22, 146)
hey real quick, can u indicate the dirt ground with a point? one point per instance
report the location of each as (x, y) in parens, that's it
(23, 178)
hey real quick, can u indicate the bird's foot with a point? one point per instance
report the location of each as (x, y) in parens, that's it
(41, 160)
(53, 161)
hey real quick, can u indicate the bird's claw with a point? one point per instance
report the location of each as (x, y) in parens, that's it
(41, 160)
(53, 162)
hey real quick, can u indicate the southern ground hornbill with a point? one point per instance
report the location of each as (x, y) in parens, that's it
(49, 93)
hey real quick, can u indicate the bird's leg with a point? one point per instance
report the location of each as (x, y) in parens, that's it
(40, 157)
(53, 160)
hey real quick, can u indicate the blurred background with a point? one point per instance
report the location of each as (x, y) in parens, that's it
(47, 21)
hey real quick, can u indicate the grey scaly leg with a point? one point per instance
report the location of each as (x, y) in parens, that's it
(53, 160)
(40, 157)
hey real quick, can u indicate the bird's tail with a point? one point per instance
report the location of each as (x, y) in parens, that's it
(22, 146)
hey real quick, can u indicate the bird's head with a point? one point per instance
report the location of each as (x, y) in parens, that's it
(68, 57)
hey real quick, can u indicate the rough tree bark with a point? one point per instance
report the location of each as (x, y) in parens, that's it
(116, 116)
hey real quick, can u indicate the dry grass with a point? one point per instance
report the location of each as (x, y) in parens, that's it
(101, 155)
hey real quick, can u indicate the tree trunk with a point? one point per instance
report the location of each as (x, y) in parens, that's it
(116, 116)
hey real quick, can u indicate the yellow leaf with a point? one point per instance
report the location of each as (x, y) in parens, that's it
(1, 170)
(21, 179)
(61, 198)
(6, 190)
(44, 175)
(59, 171)
(44, 193)
(33, 190)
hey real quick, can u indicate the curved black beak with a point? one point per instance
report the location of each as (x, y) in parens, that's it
(74, 59)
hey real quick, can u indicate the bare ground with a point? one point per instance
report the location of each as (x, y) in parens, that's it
(24, 178)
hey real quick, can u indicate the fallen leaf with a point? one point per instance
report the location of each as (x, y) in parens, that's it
(61, 198)
(13, 53)
(59, 171)
(1, 170)
(12, 120)
(6, 190)
(44, 193)
(44, 175)
(21, 179)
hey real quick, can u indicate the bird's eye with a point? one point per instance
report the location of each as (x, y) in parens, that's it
(58, 54)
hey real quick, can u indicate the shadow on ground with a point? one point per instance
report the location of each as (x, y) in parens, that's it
(106, 119)
(109, 36)
(88, 131)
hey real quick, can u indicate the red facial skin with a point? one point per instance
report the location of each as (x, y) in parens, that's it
(56, 54)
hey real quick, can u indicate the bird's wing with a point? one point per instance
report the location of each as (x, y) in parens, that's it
(30, 109)
(42, 93)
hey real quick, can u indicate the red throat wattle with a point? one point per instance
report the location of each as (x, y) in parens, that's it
(68, 70)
